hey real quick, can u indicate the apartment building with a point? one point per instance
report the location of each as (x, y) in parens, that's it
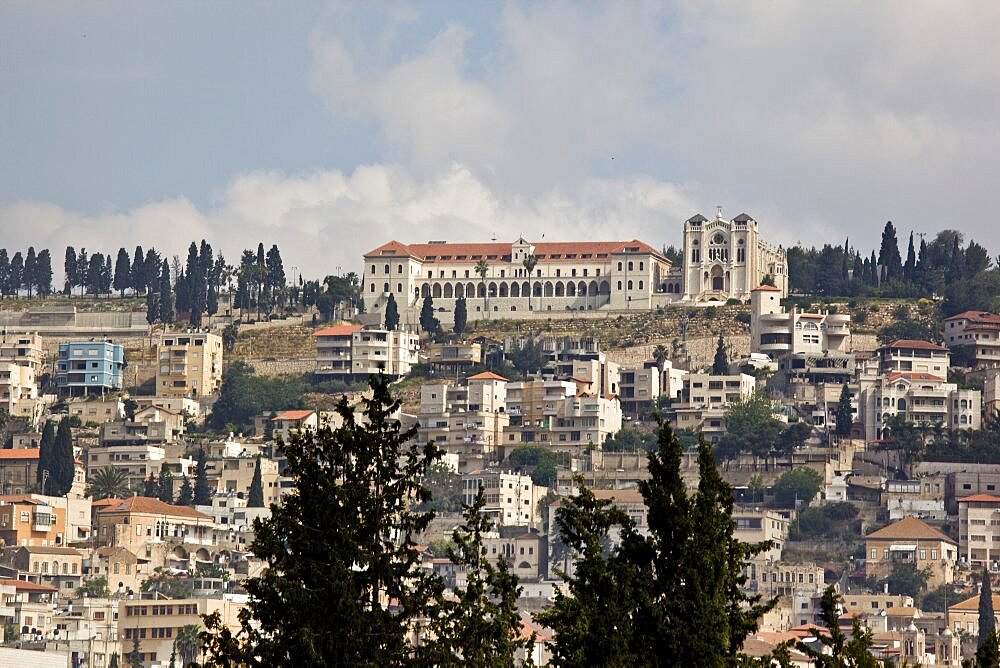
(137, 461)
(511, 498)
(913, 356)
(288, 423)
(873, 604)
(140, 524)
(979, 530)
(920, 397)
(89, 367)
(189, 364)
(97, 411)
(18, 468)
(466, 418)
(704, 401)
(616, 275)
(121, 568)
(348, 352)
(233, 475)
(30, 522)
(532, 405)
(974, 338)
(86, 630)
(58, 567)
(22, 349)
(970, 481)
(779, 578)
(585, 419)
(964, 615)
(923, 497)
(452, 360)
(19, 392)
(756, 525)
(156, 623)
(912, 541)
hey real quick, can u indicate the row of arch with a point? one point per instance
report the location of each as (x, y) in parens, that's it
(515, 289)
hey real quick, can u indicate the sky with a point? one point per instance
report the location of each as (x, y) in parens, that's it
(330, 128)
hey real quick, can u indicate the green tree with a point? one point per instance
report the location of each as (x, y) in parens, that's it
(799, 484)
(720, 365)
(202, 492)
(527, 357)
(230, 333)
(63, 463)
(529, 263)
(907, 579)
(113, 663)
(428, 321)
(166, 295)
(185, 497)
(134, 657)
(837, 650)
(323, 598)
(888, 256)
(69, 268)
(907, 438)
(108, 482)
(166, 489)
(123, 272)
(188, 643)
(255, 498)
(46, 451)
(461, 315)
(43, 273)
(481, 269)
(96, 587)
(987, 643)
(391, 314)
(479, 625)
(130, 405)
(844, 415)
(751, 428)
(151, 487)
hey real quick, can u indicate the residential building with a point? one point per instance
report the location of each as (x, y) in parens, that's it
(164, 534)
(31, 522)
(96, 411)
(123, 570)
(979, 530)
(912, 356)
(924, 498)
(726, 259)
(640, 390)
(911, 541)
(974, 338)
(86, 630)
(452, 360)
(31, 606)
(585, 419)
(756, 525)
(704, 401)
(134, 433)
(872, 604)
(600, 375)
(970, 481)
(524, 548)
(57, 567)
(348, 352)
(232, 475)
(138, 461)
(991, 393)
(288, 423)
(19, 392)
(779, 578)
(18, 468)
(467, 418)
(511, 498)
(185, 406)
(189, 364)
(89, 367)
(608, 275)
(234, 519)
(920, 397)
(23, 350)
(964, 615)
(532, 404)
(156, 622)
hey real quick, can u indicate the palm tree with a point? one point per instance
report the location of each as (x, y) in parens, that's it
(188, 643)
(481, 269)
(529, 263)
(660, 356)
(108, 482)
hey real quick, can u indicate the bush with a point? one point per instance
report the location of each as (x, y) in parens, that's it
(841, 511)
(813, 522)
(732, 301)
(799, 484)
(901, 312)
(710, 312)
(743, 318)
(861, 317)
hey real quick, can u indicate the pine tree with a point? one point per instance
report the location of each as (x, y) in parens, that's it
(137, 272)
(151, 270)
(876, 274)
(28, 276)
(194, 287)
(888, 255)
(909, 269)
(479, 625)
(720, 366)
(182, 294)
(428, 321)
(185, 497)
(152, 307)
(844, 416)
(391, 314)
(43, 273)
(836, 650)
(63, 463)
(202, 493)
(46, 449)
(151, 487)
(166, 490)
(69, 269)
(4, 273)
(461, 315)
(341, 547)
(255, 497)
(166, 297)
(123, 272)
(16, 273)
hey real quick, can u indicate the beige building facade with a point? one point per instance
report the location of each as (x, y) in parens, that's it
(188, 364)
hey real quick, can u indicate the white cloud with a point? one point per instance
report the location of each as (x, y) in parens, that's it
(327, 219)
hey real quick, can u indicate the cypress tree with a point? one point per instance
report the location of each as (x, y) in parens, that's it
(69, 269)
(255, 498)
(166, 490)
(123, 272)
(166, 297)
(461, 315)
(428, 321)
(909, 269)
(876, 273)
(63, 463)
(888, 255)
(720, 366)
(202, 493)
(185, 497)
(43, 273)
(844, 416)
(391, 314)
(151, 487)
(987, 618)
(4, 273)
(340, 547)
(16, 273)
(152, 307)
(45, 450)
(28, 276)
(137, 271)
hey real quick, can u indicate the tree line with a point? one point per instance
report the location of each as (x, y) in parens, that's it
(963, 274)
(30, 272)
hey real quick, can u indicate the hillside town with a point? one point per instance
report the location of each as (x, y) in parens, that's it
(140, 460)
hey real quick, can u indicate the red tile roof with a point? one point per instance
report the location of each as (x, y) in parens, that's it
(980, 498)
(915, 375)
(23, 585)
(910, 528)
(976, 316)
(19, 453)
(145, 504)
(337, 330)
(973, 603)
(486, 375)
(766, 288)
(21, 498)
(913, 343)
(473, 252)
(292, 415)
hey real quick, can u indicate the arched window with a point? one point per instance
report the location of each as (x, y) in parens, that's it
(448, 291)
(619, 285)
(560, 289)
(630, 265)
(481, 290)
(536, 289)
(387, 269)
(630, 285)
(581, 289)
(571, 289)
(549, 289)
(670, 287)
(515, 289)
(504, 291)
(640, 285)
(493, 289)
(640, 266)
(399, 287)
(619, 266)
(385, 287)
(436, 290)
(459, 291)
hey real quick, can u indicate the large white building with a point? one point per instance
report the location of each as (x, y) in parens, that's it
(349, 352)
(725, 259)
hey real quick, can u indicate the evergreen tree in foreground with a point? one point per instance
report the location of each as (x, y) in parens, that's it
(344, 580)
(844, 415)
(185, 497)
(674, 597)
(428, 321)
(461, 315)
(202, 493)
(63, 463)
(988, 645)
(480, 625)
(720, 366)
(391, 314)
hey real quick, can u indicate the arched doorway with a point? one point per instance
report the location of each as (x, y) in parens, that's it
(718, 279)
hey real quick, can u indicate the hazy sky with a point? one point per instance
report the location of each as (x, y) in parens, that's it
(331, 128)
